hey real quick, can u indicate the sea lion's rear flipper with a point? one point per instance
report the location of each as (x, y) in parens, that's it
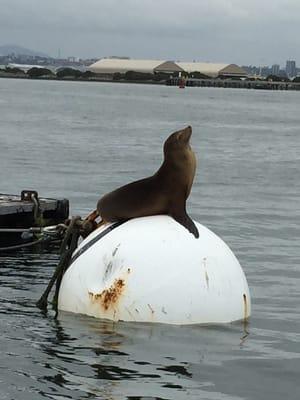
(92, 222)
(186, 221)
(92, 216)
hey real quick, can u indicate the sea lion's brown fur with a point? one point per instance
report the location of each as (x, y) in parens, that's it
(165, 192)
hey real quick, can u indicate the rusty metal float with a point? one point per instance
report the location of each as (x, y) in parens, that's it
(152, 269)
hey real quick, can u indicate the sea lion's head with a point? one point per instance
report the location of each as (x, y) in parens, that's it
(178, 141)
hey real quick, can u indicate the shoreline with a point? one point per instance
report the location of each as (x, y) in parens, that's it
(190, 82)
(72, 79)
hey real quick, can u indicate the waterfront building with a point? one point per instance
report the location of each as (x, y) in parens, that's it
(27, 67)
(275, 69)
(109, 66)
(290, 68)
(213, 70)
(121, 65)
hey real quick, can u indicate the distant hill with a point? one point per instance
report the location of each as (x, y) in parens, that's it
(18, 50)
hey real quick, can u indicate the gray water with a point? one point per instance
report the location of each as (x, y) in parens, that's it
(80, 140)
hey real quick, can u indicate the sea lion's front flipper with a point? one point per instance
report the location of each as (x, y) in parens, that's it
(186, 221)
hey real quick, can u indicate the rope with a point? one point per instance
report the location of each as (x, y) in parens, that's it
(24, 245)
(68, 246)
(76, 228)
(49, 234)
(36, 207)
(21, 230)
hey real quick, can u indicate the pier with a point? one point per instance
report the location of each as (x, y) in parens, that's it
(28, 210)
(235, 84)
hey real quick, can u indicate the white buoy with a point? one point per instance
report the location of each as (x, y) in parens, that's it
(152, 269)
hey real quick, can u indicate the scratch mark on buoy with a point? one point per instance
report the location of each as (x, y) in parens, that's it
(207, 279)
(151, 308)
(115, 250)
(245, 307)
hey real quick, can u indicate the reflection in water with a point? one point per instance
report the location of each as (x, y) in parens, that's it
(110, 353)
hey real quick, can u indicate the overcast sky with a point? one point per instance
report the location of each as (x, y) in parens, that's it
(261, 32)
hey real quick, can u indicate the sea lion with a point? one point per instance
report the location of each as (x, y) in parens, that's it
(165, 192)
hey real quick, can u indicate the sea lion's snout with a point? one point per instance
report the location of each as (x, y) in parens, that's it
(178, 140)
(185, 134)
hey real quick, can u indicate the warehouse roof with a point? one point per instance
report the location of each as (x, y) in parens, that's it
(111, 65)
(211, 69)
(168, 67)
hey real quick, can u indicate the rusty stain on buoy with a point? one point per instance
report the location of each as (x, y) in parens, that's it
(109, 297)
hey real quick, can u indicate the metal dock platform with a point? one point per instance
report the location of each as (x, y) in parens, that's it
(29, 210)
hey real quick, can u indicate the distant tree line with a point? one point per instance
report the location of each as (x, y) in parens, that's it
(37, 72)
(63, 73)
(140, 76)
(276, 78)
